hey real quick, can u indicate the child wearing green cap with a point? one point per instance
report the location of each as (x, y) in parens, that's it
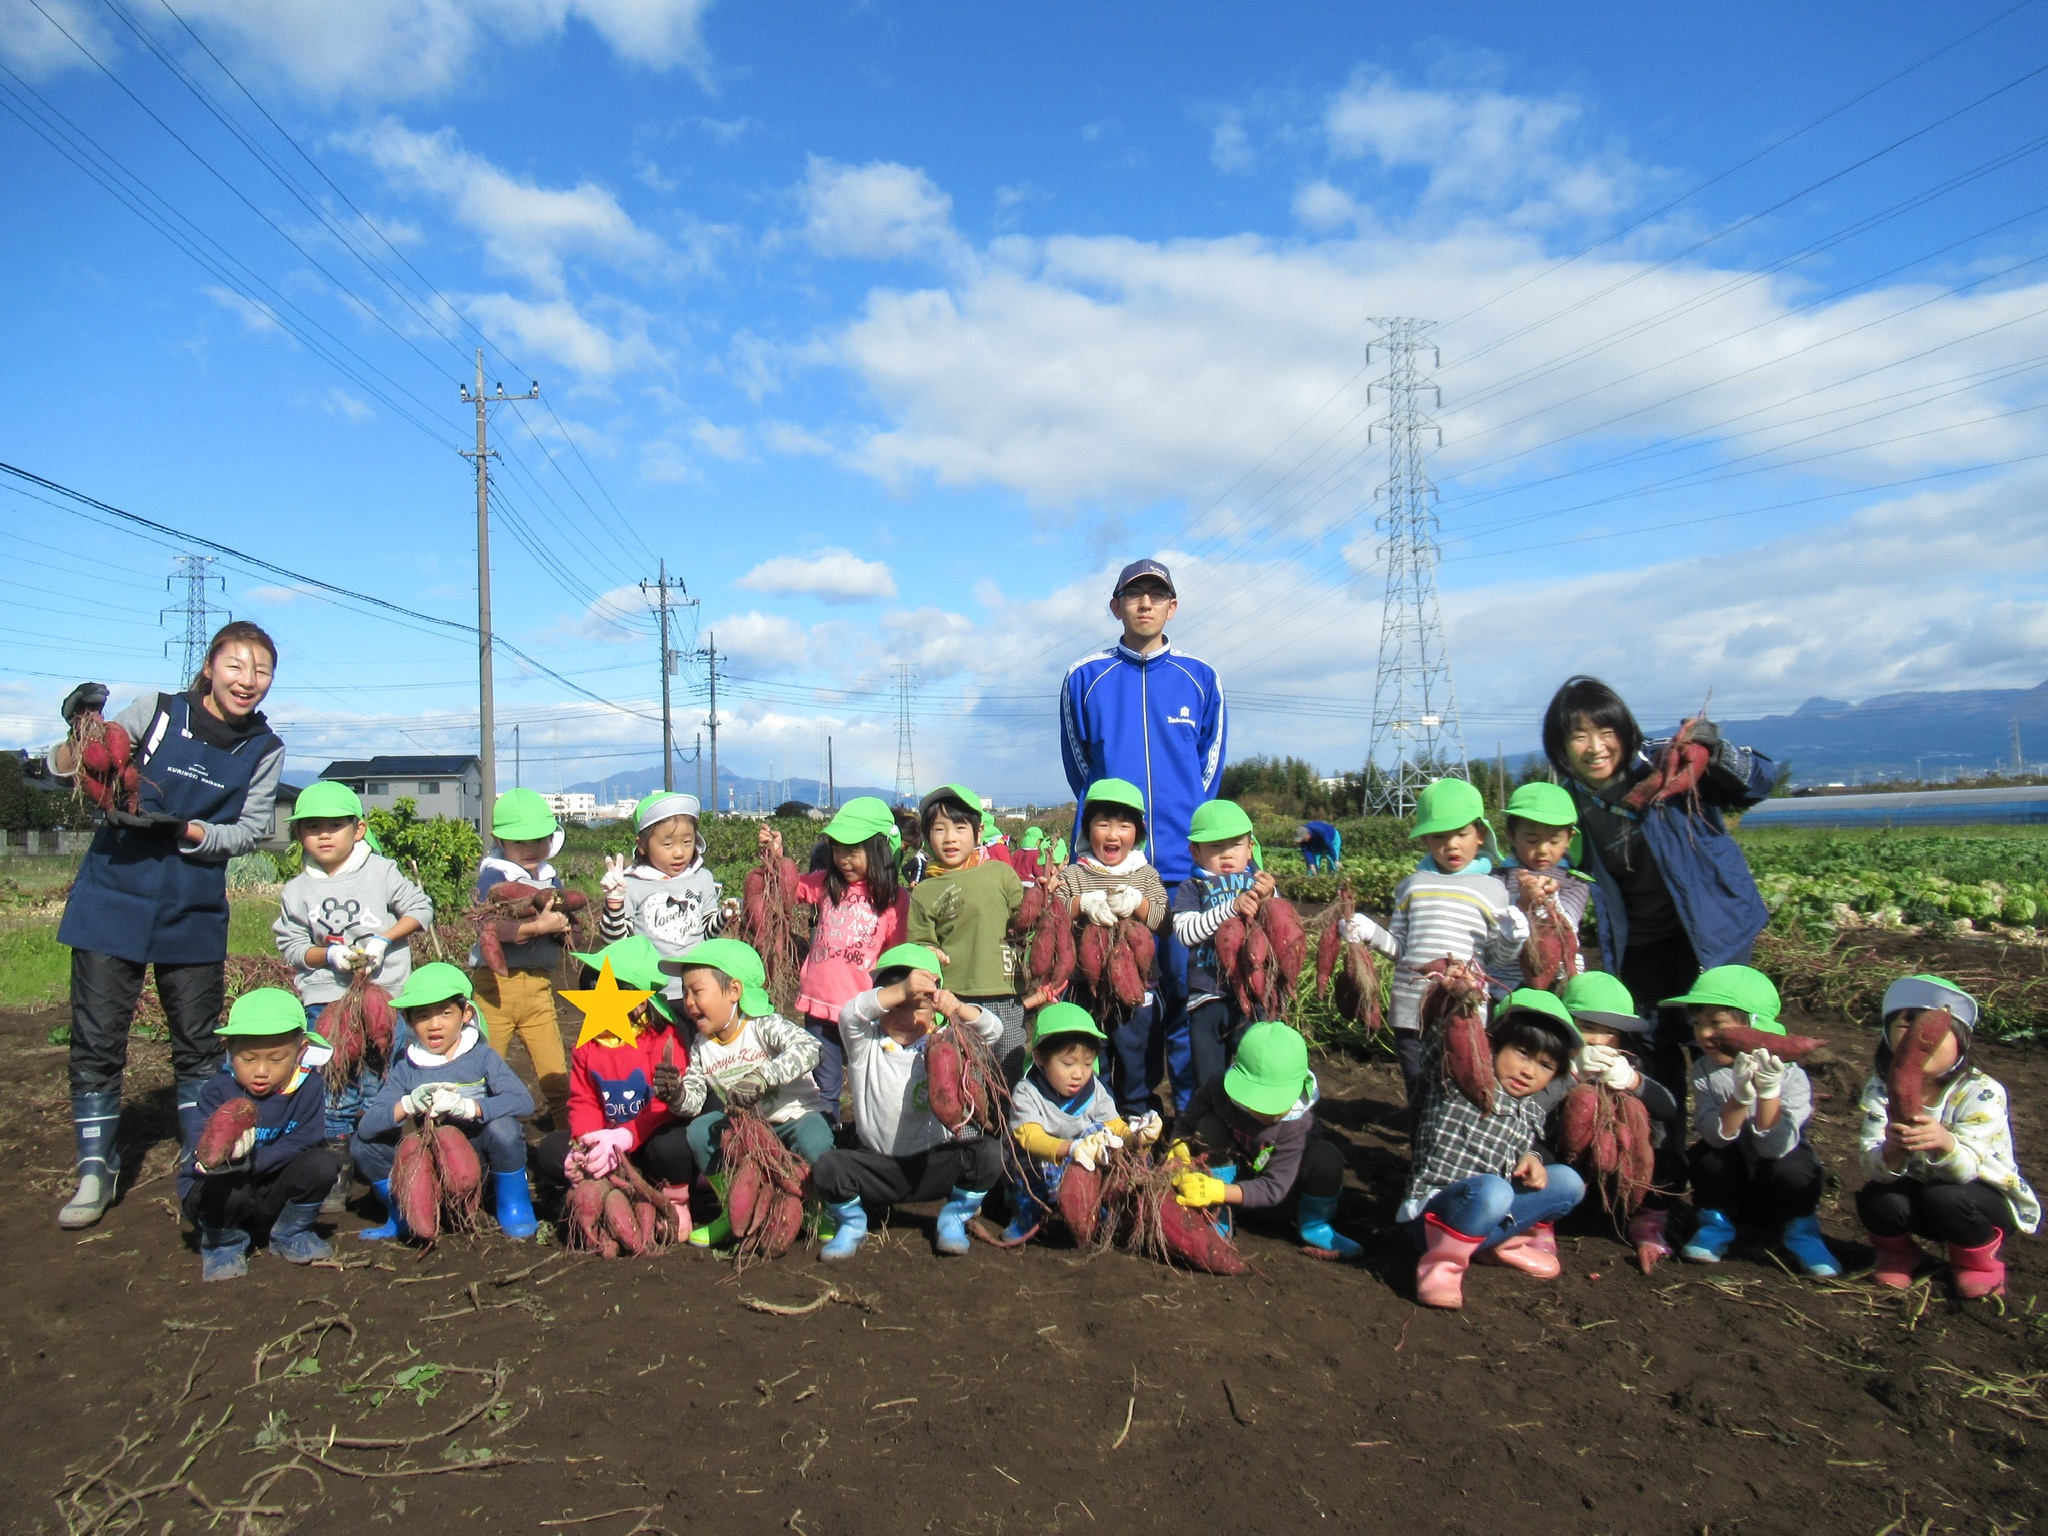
(962, 909)
(521, 1003)
(349, 908)
(1227, 883)
(1061, 1113)
(1750, 1156)
(1540, 823)
(1113, 880)
(862, 910)
(1256, 1123)
(663, 892)
(1615, 1035)
(1480, 1185)
(449, 1074)
(1950, 1174)
(905, 1154)
(278, 1171)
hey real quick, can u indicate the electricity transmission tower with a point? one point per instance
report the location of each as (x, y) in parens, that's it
(487, 712)
(906, 767)
(1415, 724)
(671, 664)
(197, 615)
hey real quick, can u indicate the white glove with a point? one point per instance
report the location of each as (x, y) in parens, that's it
(613, 881)
(419, 1101)
(341, 960)
(1147, 1128)
(1124, 899)
(373, 949)
(1514, 926)
(445, 1103)
(1095, 1148)
(1359, 929)
(1605, 1064)
(1096, 908)
(1769, 1076)
(1745, 1077)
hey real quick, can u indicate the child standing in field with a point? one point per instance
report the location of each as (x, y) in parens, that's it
(1540, 824)
(1450, 907)
(664, 893)
(962, 908)
(1113, 880)
(1225, 884)
(1480, 1185)
(521, 1003)
(274, 1176)
(1060, 1112)
(1615, 1035)
(1750, 1159)
(1950, 1174)
(348, 909)
(905, 1154)
(450, 1073)
(862, 910)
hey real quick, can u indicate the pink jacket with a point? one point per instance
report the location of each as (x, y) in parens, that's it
(848, 937)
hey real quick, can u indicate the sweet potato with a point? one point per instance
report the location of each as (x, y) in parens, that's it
(1126, 982)
(359, 1025)
(1575, 1121)
(1550, 956)
(460, 1171)
(945, 1068)
(1229, 940)
(745, 1199)
(1355, 990)
(107, 774)
(1329, 948)
(620, 1222)
(583, 1213)
(1289, 939)
(1454, 1008)
(1091, 955)
(785, 1221)
(1024, 921)
(765, 1198)
(1740, 1037)
(1608, 1134)
(1678, 771)
(1080, 1202)
(768, 922)
(415, 1186)
(1194, 1238)
(224, 1127)
(1906, 1082)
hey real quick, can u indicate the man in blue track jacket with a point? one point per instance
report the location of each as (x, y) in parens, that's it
(1142, 711)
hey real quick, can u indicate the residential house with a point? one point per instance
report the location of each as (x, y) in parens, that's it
(442, 786)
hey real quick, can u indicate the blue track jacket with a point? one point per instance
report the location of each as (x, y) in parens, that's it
(1156, 720)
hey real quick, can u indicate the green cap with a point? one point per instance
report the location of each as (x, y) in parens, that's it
(909, 957)
(1270, 1075)
(1218, 821)
(1057, 1019)
(1739, 987)
(861, 818)
(1548, 805)
(1596, 998)
(327, 799)
(1034, 837)
(1447, 805)
(1115, 792)
(662, 805)
(1549, 1004)
(637, 965)
(265, 1011)
(522, 816)
(434, 983)
(742, 962)
(960, 792)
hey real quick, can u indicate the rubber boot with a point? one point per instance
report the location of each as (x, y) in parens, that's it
(190, 1121)
(678, 1197)
(719, 1232)
(961, 1207)
(514, 1204)
(1312, 1217)
(336, 1199)
(1440, 1272)
(94, 1119)
(1896, 1259)
(1647, 1230)
(394, 1224)
(223, 1253)
(1533, 1252)
(1024, 1222)
(850, 1222)
(1979, 1272)
(1803, 1241)
(1227, 1174)
(292, 1237)
(1711, 1239)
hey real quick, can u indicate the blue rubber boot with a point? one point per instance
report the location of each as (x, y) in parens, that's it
(1022, 1228)
(1312, 1217)
(394, 1224)
(961, 1207)
(1228, 1175)
(292, 1237)
(1710, 1243)
(851, 1230)
(1803, 1241)
(94, 1119)
(514, 1204)
(223, 1253)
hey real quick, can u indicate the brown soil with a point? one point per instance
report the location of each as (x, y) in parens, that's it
(1032, 1391)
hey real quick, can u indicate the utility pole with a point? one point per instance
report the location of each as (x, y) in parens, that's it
(1414, 709)
(697, 759)
(2019, 753)
(906, 766)
(518, 766)
(487, 712)
(831, 779)
(195, 612)
(671, 663)
(709, 656)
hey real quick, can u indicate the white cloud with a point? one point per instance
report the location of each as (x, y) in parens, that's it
(34, 44)
(254, 315)
(836, 575)
(878, 210)
(559, 330)
(720, 442)
(339, 402)
(1230, 148)
(762, 641)
(1323, 206)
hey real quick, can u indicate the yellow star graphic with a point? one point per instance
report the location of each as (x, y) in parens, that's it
(607, 1008)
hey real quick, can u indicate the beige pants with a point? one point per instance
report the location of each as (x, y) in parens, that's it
(522, 1007)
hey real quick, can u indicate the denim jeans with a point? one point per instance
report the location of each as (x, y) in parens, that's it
(1487, 1205)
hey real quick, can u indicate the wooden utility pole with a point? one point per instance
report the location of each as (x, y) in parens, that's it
(487, 714)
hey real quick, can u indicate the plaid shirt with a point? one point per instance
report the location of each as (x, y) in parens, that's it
(1454, 1141)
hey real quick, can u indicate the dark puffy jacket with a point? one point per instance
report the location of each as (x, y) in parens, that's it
(1703, 867)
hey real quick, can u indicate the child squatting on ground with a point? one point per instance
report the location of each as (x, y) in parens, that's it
(1949, 1174)
(1113, 880)
(1615, 1034)
(962, 909)
(273, 1176)
(1256, 1123)
(1225, 884)
(905, 1154)
(521, 1004)
(348, 909)
(663, 893)
(1540, 821)
(1751, 1160)
(451, 1074)
(1060, 1113)
(1480, 1186)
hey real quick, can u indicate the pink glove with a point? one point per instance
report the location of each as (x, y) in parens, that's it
(603, 1149)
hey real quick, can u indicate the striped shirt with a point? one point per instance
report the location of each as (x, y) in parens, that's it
(1438, 916)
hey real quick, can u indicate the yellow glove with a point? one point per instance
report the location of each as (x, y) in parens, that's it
(1179, 1153)
(1198, 1189)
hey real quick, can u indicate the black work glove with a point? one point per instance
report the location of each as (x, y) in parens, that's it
(1706, 734)
(668, 1084)
(85, 696)
(145, 821)
(746, 1093)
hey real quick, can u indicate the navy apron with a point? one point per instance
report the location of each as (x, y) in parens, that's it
(137, 897)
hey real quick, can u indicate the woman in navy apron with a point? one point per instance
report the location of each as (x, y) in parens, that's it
(153, 889)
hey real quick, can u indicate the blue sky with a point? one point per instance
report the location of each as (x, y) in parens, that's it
(895, 329)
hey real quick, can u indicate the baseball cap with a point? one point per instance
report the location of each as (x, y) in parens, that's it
(1138, 568)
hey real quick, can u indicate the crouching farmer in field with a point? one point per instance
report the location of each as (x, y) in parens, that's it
(451, 1073)
(1481, 1186)
(1256, 1122)
(905, 1153)
(260, 1162)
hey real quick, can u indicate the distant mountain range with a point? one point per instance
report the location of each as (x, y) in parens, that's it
(735, 791)
(1928, 736)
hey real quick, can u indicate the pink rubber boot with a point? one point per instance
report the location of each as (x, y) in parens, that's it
(1896, 1256)
(1533, 1252)
(1979, 1272)
(1440, 1272)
